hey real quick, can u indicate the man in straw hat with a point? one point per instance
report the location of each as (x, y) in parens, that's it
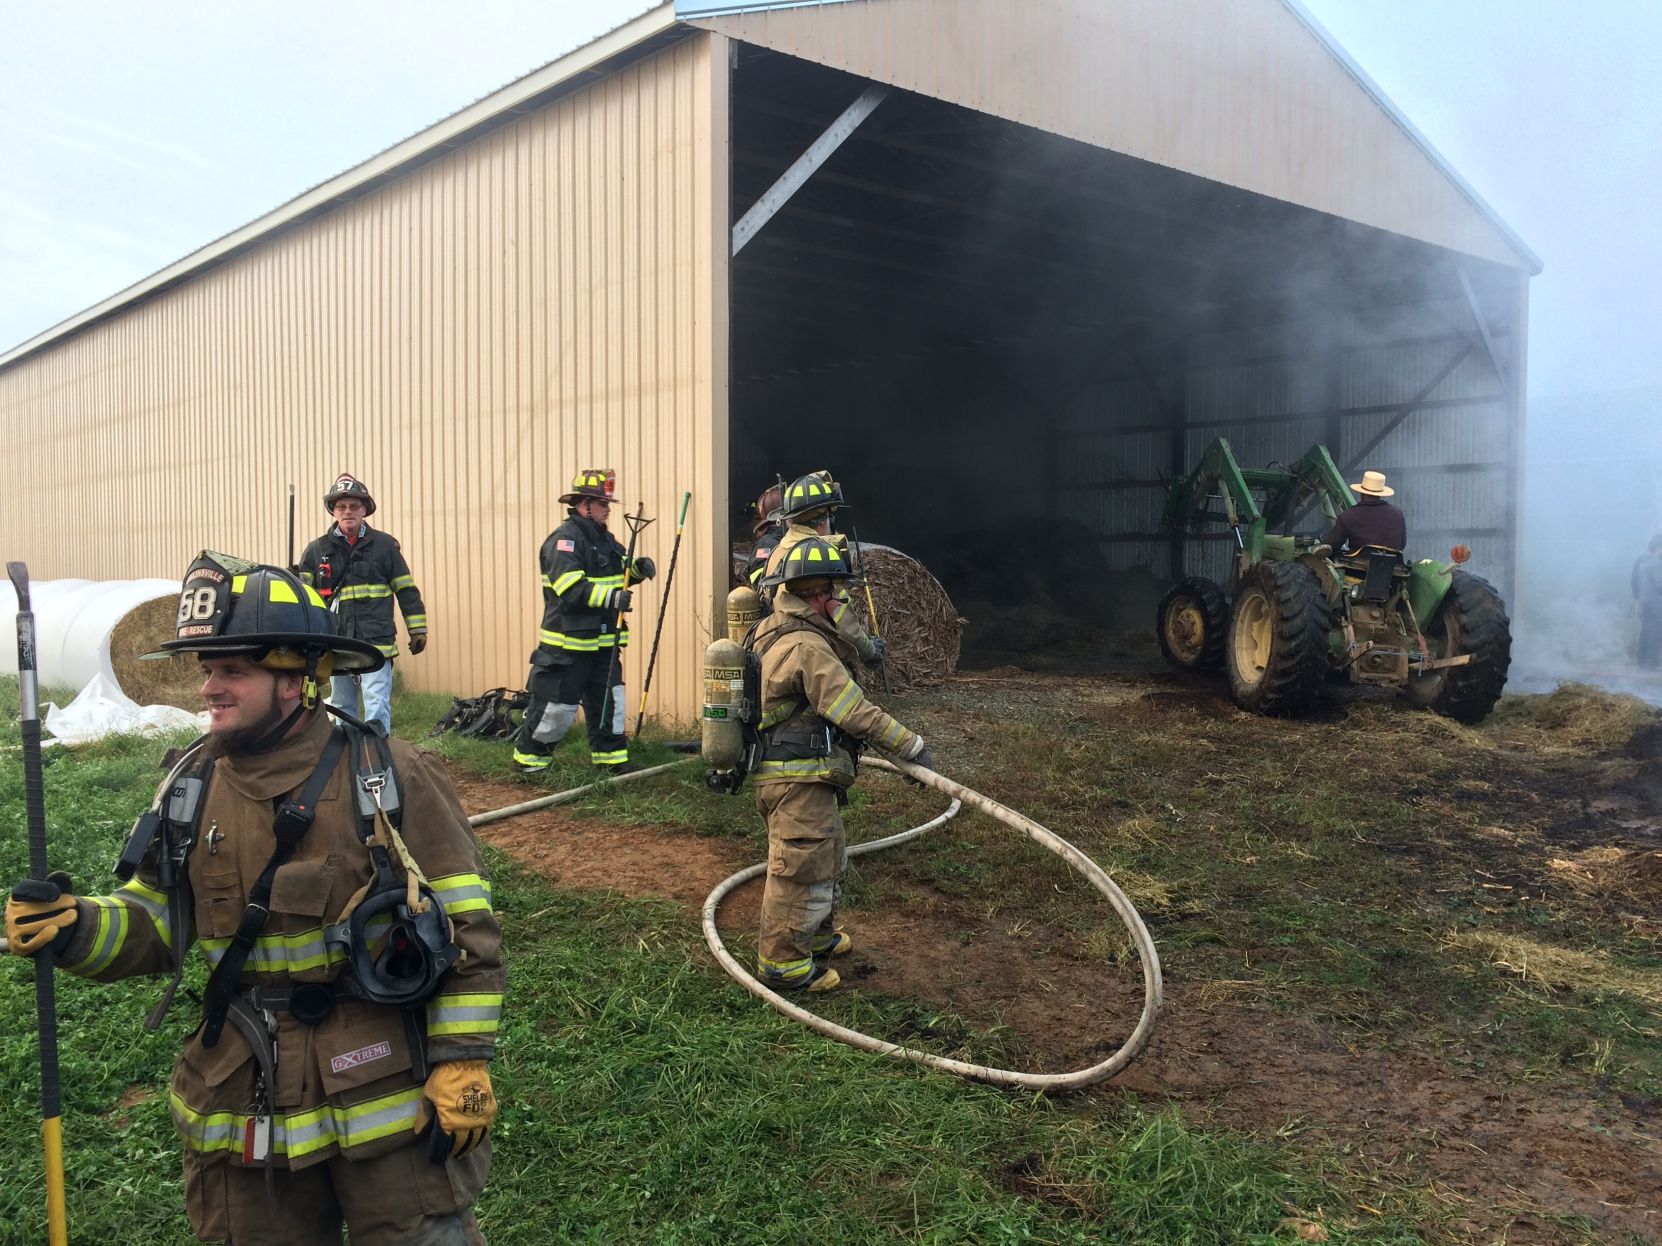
(1372, 521)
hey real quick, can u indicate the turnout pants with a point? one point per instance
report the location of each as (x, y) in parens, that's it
(557, 692)
(807, 854)
(397, 1199)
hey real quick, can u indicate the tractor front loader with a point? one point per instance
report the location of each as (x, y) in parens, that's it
(1295, 615)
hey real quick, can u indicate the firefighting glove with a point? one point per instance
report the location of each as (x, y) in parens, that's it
(457, 1108)
(40, 915)
(879, 649)
(619, 599)
(922, 758)
(418, 641)
(645, 568)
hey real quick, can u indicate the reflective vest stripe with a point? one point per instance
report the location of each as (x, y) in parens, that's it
(810, 768)
(299, 1134)
(462, 893)
(109, 936)
(582, 644)
(844, 703)
(361, 592)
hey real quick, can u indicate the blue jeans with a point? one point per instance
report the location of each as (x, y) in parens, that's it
(377, 690)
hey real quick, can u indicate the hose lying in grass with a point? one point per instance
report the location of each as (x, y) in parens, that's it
(1094, 874)
(961, 795)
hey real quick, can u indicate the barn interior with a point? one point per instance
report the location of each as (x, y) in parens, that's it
(1004, 343)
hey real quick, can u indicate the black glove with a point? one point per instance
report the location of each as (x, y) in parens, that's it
(418, 641)
(879, 649)
(925, 759)
(620, 599)
(645, 568)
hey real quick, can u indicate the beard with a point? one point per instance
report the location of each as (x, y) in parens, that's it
(241, 741)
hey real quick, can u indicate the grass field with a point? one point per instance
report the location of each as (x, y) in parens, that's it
(1383, 878)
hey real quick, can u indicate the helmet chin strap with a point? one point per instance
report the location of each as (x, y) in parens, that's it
(308, 702)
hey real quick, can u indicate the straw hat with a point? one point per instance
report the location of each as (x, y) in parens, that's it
(1373, 484)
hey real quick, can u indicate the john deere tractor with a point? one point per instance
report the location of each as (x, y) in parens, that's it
(1295, 615)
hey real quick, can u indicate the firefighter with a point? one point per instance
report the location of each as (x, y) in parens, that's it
(358, 571)
(814, 718)
(331, 1081)
(584, 600)
(1372, 521)
(807, 507)
(768, 528)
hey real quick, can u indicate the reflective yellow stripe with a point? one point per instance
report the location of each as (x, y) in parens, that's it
(610, 759)
(464, 893)
(893, 734)
(844, 703)
(390, 650)
(109, 936)
(360, 592)
(597, 595)
(562, 582)
(401, 582)
(154, 904)
(779, 713)
(300, 1133)
(582, 644)
(293, 953)
(809, 768)
(479, 1013)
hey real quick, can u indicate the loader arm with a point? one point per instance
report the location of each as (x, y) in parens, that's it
(1189, 498)
(1314, 477)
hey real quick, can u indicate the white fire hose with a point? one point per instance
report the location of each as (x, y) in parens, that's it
(961, 795)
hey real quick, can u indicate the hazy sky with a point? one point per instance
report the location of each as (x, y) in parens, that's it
(132, 134)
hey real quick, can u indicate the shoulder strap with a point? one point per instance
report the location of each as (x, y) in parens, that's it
(294, 818)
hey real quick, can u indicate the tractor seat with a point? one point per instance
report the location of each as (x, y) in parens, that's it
(1376, 566)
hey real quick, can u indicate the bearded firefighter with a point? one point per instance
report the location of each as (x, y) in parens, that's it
(577, 663)
(339, 1075)
(814, 720)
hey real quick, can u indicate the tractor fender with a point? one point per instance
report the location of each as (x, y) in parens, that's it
(1428, 584)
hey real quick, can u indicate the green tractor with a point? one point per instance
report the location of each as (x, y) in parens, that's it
(1296, 616)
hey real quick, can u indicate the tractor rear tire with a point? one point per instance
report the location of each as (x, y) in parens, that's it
(1278, 639)
(1193, 624)
(1471, 619)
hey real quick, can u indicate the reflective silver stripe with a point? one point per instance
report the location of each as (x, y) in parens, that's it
(464, 1014)
(300, 1133)
(462, 893)
(108, 936)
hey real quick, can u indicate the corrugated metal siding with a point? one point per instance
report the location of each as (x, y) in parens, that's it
(548, 297)
(1238, 91)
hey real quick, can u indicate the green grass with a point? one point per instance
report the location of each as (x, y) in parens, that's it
(648, 1100)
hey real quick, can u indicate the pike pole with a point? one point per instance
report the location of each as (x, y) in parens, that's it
(663, 604)
(871, 606)
(46, 1006)
(291, 564)
(636, 522)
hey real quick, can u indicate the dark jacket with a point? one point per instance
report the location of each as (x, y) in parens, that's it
(581, 563)
(767, 540)
(1371, 521)
(359, 582)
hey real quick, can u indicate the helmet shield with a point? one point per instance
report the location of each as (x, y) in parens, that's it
(599, 483)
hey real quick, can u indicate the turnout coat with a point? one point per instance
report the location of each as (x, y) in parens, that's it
(359, 582)
(349, 1084)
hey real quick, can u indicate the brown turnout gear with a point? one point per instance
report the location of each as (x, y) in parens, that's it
(811, 711)
(348, 1085)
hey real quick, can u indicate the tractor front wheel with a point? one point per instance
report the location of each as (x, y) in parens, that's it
(1278, 639)
(1193, 624)
(1471, 619)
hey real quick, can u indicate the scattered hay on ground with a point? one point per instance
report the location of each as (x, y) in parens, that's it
(1575, 718)
(1559, 968)
(174, 680)
(1611, 871)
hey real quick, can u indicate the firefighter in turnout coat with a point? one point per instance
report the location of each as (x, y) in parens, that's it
(807, 508)
(314, 1102)
(358, 571)
(814, 717)
(585, 595)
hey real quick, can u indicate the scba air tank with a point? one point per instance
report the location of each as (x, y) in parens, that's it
(744, 607)
(723, 746)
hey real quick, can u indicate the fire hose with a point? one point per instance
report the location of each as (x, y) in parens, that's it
(961, 795)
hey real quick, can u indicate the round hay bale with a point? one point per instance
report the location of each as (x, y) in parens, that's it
(914, 615)
(173, 680)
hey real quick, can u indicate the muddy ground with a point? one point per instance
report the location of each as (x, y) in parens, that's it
(1511, 1152)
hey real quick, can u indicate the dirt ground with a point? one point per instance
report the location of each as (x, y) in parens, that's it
(1508, 1152)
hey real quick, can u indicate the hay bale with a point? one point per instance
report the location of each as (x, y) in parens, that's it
(175, 681)
(915, 616)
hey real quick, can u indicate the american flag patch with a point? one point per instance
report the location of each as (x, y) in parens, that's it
(569, 547)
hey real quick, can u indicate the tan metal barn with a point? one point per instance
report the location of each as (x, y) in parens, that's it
(963, 252)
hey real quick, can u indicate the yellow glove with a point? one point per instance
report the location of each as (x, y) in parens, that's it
(459, 1091)
(38, 912)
